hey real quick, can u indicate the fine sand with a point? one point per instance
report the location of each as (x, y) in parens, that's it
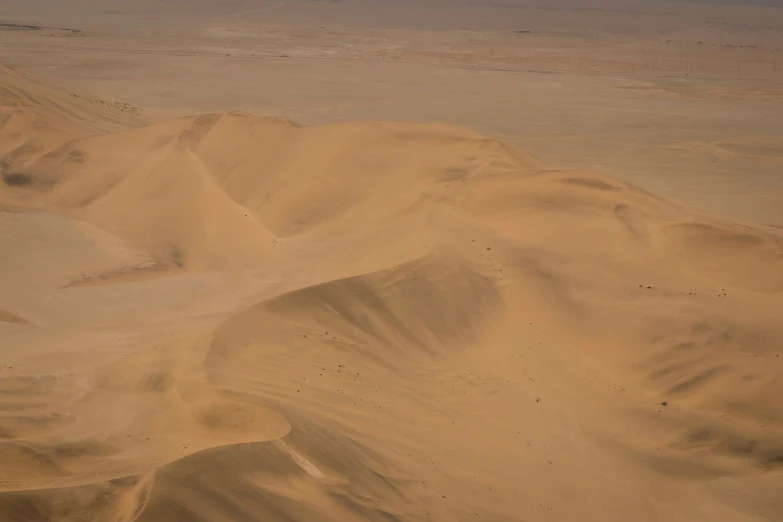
(227, 317)
(682, 98)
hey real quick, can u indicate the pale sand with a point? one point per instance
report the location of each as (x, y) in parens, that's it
(228, 317)
(607, 86)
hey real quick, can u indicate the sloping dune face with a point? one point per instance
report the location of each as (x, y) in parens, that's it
(227, 318)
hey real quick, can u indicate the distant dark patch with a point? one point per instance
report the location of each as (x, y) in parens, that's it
(738, 239)
(770, 461)
(633, 220)
(684, 346)
(17, 179)
(77, 156)
(698, 381)
(737, 445)
(177, 258)
(723, 236)
(701, 327)
(699, 436)
(672, 369)
(454, 174)
(20, 27)
(26, 179)
(157, 381)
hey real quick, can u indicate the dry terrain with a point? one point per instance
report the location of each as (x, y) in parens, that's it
(356, 260)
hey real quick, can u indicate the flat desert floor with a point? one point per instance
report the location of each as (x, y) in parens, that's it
(354, 260)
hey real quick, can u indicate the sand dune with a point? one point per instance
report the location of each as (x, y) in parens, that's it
(227, 317)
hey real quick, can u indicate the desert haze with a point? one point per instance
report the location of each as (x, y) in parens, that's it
(299, 261)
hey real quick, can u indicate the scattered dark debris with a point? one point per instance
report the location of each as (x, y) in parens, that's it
(664, 403)
(21, 27)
